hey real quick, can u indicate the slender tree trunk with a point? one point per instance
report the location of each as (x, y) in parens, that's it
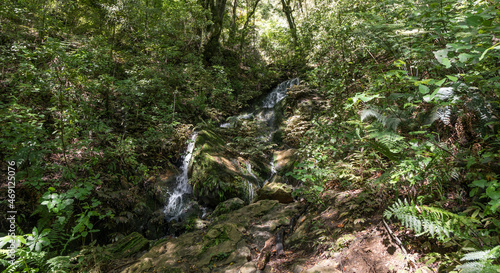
(245, 26)
(233, 27)
(217, 9)
(287, 9)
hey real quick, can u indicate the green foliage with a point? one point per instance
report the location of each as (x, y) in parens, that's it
(434, 222)
(29, 253)
(480, 261)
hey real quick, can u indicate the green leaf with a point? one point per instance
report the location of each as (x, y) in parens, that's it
(446, 62)
(439, 83)
(493, 193)
(452, 78)
(497, 46)
(442, 57)
(474, 20)
(480, 183)
(423, 89)
(463, 57)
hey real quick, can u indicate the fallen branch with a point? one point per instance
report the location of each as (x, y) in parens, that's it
(394, 237)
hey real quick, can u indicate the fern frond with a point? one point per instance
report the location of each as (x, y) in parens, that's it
(440, 113)
(367, 113)
(471, 267)
(436, 222)
(480, 261)
(476, 255)
(59, 264)
(390, 122)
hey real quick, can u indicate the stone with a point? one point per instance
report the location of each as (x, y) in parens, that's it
(130, 245)
(284, 160)
(248, 268)
(276, 191)
(228, 206)
(327, 266)
(217, 175)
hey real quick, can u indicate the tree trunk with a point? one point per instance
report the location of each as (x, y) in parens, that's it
(217, 9)
(249, 17)
(287, 9)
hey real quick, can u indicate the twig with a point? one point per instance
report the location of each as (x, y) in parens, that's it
(394, 237)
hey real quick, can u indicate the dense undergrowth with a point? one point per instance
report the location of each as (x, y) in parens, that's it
(413, 91)
(97, 97)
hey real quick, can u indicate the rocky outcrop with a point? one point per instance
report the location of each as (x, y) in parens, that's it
(227, 206)
(228, 245)
(217, 174)
(276, 191)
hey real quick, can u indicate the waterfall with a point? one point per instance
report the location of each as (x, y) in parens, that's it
(265, 115)
(278, 93)
(250, 191)
(249, 170)
(177, 198)
(273, 171)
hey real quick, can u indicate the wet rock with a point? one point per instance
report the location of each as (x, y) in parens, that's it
(217, 176)
(284, 160)
(228, 205)
(128, 246)
(276, 191)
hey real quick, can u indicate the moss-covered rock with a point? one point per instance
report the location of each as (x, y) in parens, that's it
(276, 191)
(128, 246)
(226, 246)
(228, 205)
(284, 161)
(218, 175)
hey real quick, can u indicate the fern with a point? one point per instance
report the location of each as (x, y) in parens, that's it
(435, 222)
(480, 261)
(390, 122)
(59, 264)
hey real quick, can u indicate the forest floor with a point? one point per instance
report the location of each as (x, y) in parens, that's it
(343, 246)
(331, 238)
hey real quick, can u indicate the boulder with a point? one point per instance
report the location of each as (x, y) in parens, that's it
(130, 245)
(276, 191)
(217, 175)
(326, 266)
(228, 245)
(228, 206)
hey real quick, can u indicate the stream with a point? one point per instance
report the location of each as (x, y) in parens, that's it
(178, 202)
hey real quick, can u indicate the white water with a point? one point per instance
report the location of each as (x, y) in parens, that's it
(265, 115)
(270, 101)
(250, 191)
(249, 170)
(273, 171)
(278, 93)
(177, 199)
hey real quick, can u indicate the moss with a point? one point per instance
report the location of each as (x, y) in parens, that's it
(344, 241)
(228, 206)
(128, 246)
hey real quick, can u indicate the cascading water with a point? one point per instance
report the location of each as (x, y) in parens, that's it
(273, 171)
(249, 170)
(250, 186)
(266, 115)
(250, 191)
(278, 93)
(177, 201)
